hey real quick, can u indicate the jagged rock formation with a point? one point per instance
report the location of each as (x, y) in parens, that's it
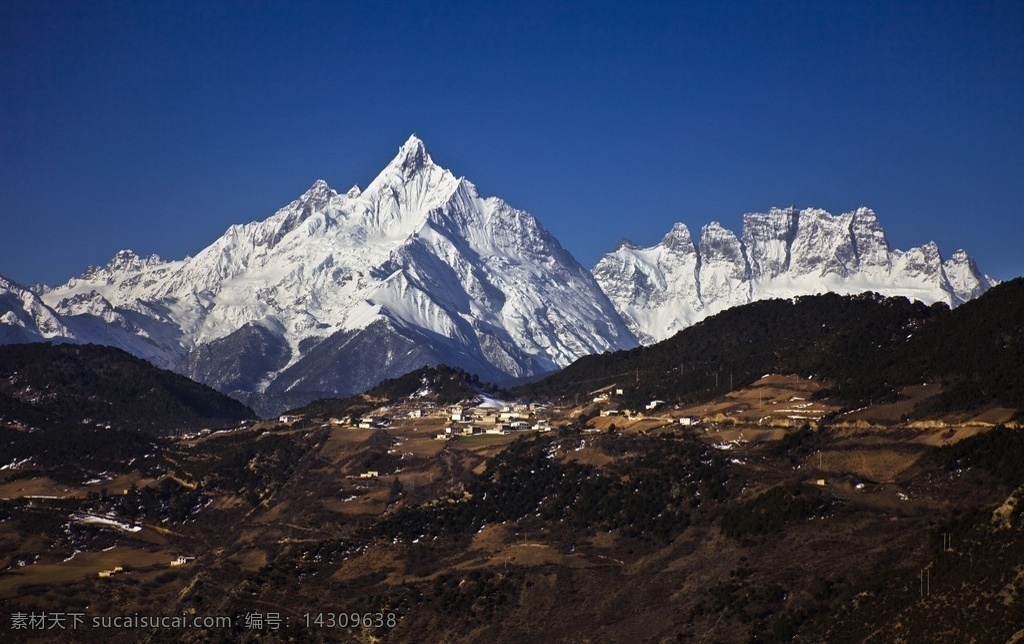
(782, 253)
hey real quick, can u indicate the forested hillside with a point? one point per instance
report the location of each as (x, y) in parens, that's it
(69, 385)
(866, 345)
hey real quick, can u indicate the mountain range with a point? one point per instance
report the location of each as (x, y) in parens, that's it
(338, 291)
(667, 287)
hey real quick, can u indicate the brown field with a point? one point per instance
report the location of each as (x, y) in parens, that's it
(877, 465)
(774, 400)
(84, 565)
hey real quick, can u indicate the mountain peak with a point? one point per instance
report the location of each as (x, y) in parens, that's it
(126, 260)
(678, 239)
(317, 192)
(412, 156)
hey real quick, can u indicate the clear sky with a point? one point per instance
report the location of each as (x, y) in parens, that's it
(155, 125)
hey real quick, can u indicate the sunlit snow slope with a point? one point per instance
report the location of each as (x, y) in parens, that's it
(782, 253)
(335, 292)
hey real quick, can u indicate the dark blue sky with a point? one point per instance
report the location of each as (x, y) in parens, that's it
(155, 125)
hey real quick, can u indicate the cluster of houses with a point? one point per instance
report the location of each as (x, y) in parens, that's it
(366, 422)
(466, 421)
(463, 420)
(604, 397)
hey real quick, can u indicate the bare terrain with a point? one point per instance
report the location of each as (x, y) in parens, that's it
(763, 515)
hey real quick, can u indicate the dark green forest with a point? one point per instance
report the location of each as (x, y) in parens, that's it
(70, 385)
(868, 346)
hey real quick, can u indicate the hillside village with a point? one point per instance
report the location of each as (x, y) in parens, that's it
(773, 401)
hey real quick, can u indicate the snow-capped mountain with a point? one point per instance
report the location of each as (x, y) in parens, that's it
(24, 317)
(337, 291)
(664, 288)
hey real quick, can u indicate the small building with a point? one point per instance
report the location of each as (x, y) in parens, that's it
(688, 421)
(288, 419)
(369, 474)
(181, 560)
(611, 411)
(654, 403)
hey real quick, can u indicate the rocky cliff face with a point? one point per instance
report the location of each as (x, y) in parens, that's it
(782, 253)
